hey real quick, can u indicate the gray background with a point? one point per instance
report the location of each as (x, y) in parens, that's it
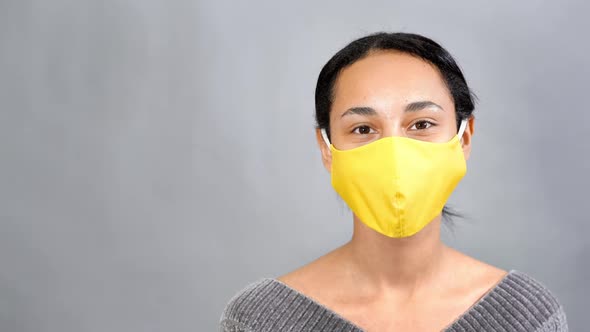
(157, 156)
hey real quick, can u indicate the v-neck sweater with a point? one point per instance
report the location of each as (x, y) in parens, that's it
(517, 302)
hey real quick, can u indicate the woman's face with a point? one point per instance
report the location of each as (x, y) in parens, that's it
(391, 94)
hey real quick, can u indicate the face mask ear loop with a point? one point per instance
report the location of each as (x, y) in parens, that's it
(325, 137)
(462, 130)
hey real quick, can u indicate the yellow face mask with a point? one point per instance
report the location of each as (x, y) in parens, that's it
(398, 185)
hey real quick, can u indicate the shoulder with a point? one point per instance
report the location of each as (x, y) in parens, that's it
(244, 306)
(270, 305)
(520, 286)
(265, 305)
(519, 302)
(534, 298)
(516, 297)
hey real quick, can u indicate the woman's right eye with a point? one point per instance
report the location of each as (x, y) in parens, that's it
(362, 130)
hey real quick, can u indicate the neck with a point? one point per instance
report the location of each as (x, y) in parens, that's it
(396, 262)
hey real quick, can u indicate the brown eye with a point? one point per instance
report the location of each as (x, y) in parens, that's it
(421, 125)
(363, 130)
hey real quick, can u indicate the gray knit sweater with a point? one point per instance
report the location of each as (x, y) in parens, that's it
(517, 303)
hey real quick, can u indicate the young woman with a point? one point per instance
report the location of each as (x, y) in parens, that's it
(394, 127)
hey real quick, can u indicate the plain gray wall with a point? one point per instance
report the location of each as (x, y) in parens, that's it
(157, 156)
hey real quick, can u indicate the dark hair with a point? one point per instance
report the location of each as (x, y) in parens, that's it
(409, 43)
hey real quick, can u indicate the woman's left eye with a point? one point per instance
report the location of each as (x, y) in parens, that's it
(363, 130)
(421, 125)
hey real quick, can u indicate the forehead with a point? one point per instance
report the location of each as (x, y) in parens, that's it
(386, 79)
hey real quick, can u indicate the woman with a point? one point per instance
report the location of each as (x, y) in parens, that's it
(394, 127)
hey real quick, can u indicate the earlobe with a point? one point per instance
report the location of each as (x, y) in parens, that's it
(328, 162)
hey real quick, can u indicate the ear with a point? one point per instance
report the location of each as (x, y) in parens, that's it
(325, 150)
(466, 138)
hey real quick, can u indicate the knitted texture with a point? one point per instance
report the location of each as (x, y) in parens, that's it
(517, 303)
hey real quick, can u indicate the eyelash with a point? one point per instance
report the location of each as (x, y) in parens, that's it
(363, 126)
(431, 124)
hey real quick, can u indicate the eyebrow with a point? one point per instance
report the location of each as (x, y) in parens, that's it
(420, 105)
(360, 111)
(411, 107)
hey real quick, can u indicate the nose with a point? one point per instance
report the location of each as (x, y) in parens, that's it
(393, 128)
